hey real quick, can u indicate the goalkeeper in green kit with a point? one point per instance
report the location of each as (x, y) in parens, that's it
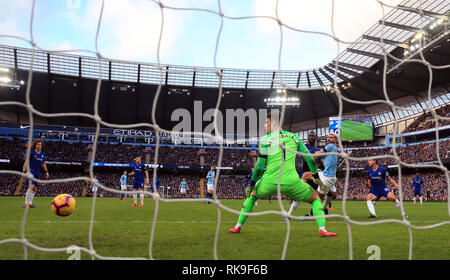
(265, 183)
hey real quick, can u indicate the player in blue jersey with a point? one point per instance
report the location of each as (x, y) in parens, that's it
(313, 149)
(140, 174)
(210, 177)
(36, 162)
(377, 176)
(183, 188)
(418, 186)
(123, 185)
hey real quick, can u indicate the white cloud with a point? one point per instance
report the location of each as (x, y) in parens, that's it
(12, 18)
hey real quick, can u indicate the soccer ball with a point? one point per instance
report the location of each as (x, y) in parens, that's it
(63, 205)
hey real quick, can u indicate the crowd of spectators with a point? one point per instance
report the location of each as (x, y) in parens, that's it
(228, 187)
(180, 156)
(408, 154)
(427, 121)
(120, 153)
(9, 184)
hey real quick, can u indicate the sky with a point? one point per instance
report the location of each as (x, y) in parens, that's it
(130, 30)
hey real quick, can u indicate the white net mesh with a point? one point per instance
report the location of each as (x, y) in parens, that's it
(281, 82)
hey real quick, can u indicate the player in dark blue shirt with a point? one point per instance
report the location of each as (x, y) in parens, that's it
(312, 148)
(140, 178)
(418, 186)
(306, 174)
(36, 162)
(377, 176)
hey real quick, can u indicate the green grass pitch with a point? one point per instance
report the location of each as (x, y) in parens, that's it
(355, 131)
(186, 230)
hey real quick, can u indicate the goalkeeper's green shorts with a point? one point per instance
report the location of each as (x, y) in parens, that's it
(298, 191)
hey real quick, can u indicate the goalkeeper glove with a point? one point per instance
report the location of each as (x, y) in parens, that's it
(317, 181)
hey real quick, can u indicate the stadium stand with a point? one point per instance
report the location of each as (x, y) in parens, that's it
(230, 186)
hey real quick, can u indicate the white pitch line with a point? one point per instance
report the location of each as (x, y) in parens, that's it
(198, 222)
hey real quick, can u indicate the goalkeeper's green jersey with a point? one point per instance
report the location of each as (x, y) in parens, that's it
(269, 146)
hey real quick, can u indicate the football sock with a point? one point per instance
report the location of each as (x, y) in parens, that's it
(371, 207)
(32, 193)
(210, 195)
(135, 197)
(27, 196)
(414, 199)
(420, 199)
(247, 207)
(311, 183)
(294, 205)
(326, 202)
(397, 204)
(318, 211)
(142, 198)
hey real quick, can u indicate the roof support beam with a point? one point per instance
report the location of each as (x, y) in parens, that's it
(369, 54)
(298, 79)
(348, 71)
(193, 78)
(331, 80)
(273, 79)
(345, 91)
(357, 85)
(326, 92)
(318, 78)
(307, 78)
(400, 26)
(246, 79)
(386, 41)
(357, 67)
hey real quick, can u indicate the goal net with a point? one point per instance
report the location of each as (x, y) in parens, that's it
(281, 80)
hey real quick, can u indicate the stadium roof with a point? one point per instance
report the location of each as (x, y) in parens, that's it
(398, 26)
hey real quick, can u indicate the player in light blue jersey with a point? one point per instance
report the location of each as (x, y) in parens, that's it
(94, 187)
(36, 162)
(377, 176)
(183, 188)
(210, 177)
(418, 186)
(328, 175)
(123, 185)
